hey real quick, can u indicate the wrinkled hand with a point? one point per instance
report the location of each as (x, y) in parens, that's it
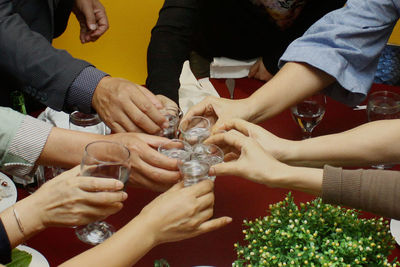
(92, 19)
(70, 199)
(274, 145)
(149, 168)
(127, 107)
(166, 102)
(219, 110)
(258, 71)
(252, 163)
(182, 212)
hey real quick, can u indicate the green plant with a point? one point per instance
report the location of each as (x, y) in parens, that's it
(314, 234)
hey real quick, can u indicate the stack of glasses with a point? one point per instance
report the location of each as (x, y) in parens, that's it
(195, 158)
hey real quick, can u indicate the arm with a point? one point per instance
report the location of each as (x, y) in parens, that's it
(178, 214)
(360, 189)
(170, 46)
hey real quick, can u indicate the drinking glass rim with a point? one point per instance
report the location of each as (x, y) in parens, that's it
(208, 149)
(197, 117)
(110, 142)
(73, 118)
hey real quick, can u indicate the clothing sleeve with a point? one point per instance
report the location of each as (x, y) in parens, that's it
(45, 72)
(80, 94)
(375, 191)
(22, 139)
(346, 44)
(5, 247)
(170, 46)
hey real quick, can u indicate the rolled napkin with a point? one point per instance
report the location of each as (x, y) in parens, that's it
(192, 91)
(223, 67)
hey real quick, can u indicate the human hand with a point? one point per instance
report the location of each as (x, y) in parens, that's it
(274, 145)
(166, 102)
(127, 107)
(182, 212)
(149, 168)
(258, 71)
(92, 19)
(219, 110)
(252, 161)
(70, 200)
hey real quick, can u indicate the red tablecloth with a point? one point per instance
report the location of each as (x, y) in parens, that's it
(235, 197)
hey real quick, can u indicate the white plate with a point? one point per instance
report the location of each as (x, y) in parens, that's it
(395, 230)
(38, 260)
(6, 202)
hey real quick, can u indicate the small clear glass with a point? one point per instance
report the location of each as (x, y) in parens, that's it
(383, 105)
(173, 116)
(194, 171)
(209, 153)
(309, 113)
(89, 123)
(195, 130)
(176, 149)
(106, 160)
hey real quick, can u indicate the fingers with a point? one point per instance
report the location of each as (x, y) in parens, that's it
(163, 164)
(214, 224)
(156, 102)
(239, 125)
(225, 168)
(206, 201)
(253, 70)
(202, 188)
(232, 138)
(95, 184)
(137, 180)
(105, 198)
(202, 108)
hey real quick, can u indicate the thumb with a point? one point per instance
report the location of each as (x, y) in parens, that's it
(224, 168)
(88, 12)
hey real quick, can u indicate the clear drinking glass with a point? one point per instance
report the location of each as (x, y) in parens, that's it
(383, 105)
(106, 160)
(208, 153)
(176, 149)
(308, 113)
(194, 171)
(195, 129)
(89, 123)
(173, 116)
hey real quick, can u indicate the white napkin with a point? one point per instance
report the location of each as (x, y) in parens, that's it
(192, 91)
(223, 67)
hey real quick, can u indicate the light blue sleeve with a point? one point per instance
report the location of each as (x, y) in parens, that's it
(22, 139)
(346, 43)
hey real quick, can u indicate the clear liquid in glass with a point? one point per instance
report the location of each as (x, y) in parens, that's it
(308, 114)
(196, 135)
(194, 171)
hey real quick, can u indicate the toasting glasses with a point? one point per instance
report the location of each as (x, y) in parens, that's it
(106, 160)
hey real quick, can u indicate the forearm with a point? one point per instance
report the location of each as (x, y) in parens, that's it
(64, 148)
(370, 143)
(293, 83)
(135, 239)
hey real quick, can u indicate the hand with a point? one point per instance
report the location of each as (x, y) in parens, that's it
(92, 19)
(258, 71)
(253, 163)
(166, 102)
(149, 168)
(70, 200)
(219, 110)
(275, 146)
(182, 212)
(127, 107)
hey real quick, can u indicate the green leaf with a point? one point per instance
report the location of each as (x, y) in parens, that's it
(19, 258)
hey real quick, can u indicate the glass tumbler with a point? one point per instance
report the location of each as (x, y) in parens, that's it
(176, 149)
(173, 116)
(103, 159)
(195, 130)
(209, 153)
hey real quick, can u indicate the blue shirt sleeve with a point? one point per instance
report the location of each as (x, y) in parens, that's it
(80, 93)
(346, 44)
(5, 247)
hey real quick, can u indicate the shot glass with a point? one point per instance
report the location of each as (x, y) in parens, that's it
(193, 171)
(176, 149)
(209, 153)
(195, 129)
(173, 116)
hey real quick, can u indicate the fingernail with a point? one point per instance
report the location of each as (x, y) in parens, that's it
(124, 195)
(92, 27)
(119, 184)
(165, 124)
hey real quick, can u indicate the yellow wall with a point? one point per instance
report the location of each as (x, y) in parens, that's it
(395, 38)
(121, 52)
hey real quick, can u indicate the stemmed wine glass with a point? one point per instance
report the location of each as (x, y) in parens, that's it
(106, 160)
(383, 105)
(308, 113)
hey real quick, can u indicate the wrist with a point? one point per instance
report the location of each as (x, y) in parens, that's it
(149, 231)
(31, 215)
(303, 179)
(102, 84)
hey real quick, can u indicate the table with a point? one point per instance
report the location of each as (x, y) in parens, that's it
(235, 197)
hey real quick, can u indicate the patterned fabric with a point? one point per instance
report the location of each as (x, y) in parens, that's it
(80, 93)
(22, 139)
(283, 12)
(346, 44)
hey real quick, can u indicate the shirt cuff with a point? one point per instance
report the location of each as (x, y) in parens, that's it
(26, 147)
(80, 93)
(5, 247)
